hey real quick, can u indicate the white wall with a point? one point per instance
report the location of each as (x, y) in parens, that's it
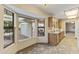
(76, 28)
(1, 27)
(77, 31)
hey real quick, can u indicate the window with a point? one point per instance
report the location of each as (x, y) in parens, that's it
(8, 28)
(25, 28)
(41, 28)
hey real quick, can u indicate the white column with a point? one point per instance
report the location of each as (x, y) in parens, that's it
(16, 25)
(46, 30)
(35, 28)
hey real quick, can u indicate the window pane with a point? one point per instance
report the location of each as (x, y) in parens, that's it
(25, 28)
(8, 28)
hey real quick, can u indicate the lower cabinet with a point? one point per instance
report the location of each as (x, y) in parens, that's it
(54, 39)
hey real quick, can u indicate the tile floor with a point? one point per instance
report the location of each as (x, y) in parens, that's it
(67, 46)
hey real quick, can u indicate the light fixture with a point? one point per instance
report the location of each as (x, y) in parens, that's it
(45, 5)
(73, 13)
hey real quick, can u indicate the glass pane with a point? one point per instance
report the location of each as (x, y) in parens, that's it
(25, 28)
(8, 28)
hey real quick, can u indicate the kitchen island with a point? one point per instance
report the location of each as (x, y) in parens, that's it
(54, 38)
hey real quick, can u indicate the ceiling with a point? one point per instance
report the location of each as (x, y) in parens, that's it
(56, 9)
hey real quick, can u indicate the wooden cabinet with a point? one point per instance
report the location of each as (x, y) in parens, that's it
(52, 38)
(55, 39)
(49, 21)
(53, 22)
(54, 25)
(61, 35)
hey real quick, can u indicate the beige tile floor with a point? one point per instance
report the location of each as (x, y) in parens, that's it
(67, 46)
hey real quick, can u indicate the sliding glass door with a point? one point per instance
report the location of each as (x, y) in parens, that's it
(8, 28)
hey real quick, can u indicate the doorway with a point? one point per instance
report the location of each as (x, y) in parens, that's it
(70, 29)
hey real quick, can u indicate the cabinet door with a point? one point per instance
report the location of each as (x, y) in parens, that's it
(52, 38)
(49, 21)
(62, 35)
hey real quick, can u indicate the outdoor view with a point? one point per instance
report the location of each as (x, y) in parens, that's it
(8, 28)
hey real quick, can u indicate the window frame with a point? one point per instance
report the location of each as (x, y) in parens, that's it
(26, 17)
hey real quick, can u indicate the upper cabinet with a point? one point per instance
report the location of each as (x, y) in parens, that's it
(49, 21)
(61, 24)
(53, 22)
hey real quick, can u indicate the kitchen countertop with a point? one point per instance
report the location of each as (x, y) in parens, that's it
(55, 32)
